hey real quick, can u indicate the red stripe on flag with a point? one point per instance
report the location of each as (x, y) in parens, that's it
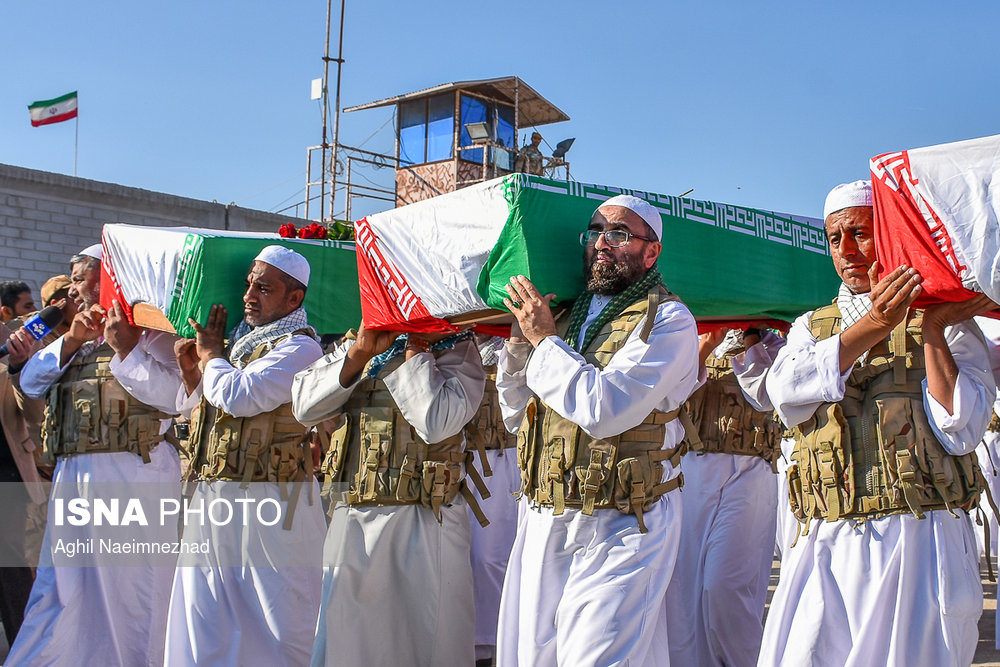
(908, 231)
(387, 302)
(111, 289)
(54, 119)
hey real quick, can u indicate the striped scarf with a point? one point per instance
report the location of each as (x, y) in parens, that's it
(380, 360)
(618, 303)
(244, 339)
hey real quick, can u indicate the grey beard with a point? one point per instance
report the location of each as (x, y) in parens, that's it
(612, 279)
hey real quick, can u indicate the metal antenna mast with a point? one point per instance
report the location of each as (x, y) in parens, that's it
(336, 109)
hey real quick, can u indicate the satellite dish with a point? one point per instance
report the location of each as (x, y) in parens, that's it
(562, 148)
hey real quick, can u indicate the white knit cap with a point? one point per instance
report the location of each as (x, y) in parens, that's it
(846, 195)
(640, 207)
(92, 251)
(286, 260)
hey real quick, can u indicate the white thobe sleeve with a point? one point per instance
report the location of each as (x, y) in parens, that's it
(512, 383)
(640, 377)
(42, 370)
(439, 395)
(150, 372)
(806, 374)
(264, 384)
(975, 391)
(751, 367)
(316, 391)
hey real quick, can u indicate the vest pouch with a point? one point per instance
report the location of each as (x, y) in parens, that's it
(254, 449)
(84, 429)
(440, 484)
(50, 429)
(827, 449)
(334, 435)
(796, 500)
(410, 485)
(527, 436)
(596, 483)
(221, 455)
(377, 431)
(557, 457)
(634, 494)
(943, 473)
(287, 463)
(114, 413)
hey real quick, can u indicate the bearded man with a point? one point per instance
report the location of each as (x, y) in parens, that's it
(595, 401)
(887, 404)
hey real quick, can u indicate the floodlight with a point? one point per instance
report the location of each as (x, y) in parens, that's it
(562, 147)
(478, 132)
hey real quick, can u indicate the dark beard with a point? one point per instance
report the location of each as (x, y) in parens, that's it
(611, 279)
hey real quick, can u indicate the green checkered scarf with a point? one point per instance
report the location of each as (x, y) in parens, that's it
(618, 303)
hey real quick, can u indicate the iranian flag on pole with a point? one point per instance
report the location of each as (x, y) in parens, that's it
(937, 209)
(46, 112)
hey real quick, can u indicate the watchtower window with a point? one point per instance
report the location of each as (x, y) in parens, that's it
(426, 128)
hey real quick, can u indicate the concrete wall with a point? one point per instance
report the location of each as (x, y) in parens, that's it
(45, 218)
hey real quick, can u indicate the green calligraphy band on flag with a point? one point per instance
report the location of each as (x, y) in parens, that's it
(723, 261)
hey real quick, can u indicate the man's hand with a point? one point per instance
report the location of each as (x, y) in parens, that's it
(121, 336)
(941, 315)
(531, 310)
(891, 297)
(709, 341)
(370, 342)
(21, 345)
(88, 325)
(186, 352)
(211, 338)
(942, 371)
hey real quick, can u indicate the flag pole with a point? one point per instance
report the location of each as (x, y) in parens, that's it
(76, 143)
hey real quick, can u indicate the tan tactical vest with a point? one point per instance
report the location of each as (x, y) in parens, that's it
(562, 466)
(874, 453)
(269, 447)
(376, 451)
(486, 430)
(726, 423)
(89, 411)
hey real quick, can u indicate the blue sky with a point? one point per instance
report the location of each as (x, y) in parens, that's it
(763, 104)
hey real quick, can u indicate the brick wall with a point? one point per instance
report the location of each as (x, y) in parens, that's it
(45, 218)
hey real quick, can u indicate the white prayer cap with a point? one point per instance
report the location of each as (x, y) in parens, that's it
(846, 195)
(92, 251)
(640, 207)
(286, 260)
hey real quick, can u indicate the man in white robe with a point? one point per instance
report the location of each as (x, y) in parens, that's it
(892, 589)
(254, 597)
(715, 602)
(587, 588)
(110, 615)
(397, 578)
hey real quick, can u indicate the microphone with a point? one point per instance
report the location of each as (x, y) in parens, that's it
(39, 325)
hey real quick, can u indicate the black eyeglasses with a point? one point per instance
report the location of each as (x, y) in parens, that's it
(615, 238)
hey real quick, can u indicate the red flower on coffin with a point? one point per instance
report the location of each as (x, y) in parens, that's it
(287, 231)
(313, 231)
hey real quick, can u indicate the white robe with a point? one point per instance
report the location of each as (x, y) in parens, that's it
(491, 545)
(397, 584)
(588, 590)
(716, 598)
(890, 591)
(751, 369)
(110, 615)
(221, 613)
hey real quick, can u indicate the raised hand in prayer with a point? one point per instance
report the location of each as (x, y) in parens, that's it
(120, 334)
(211, 338)
(531, 309)
(186, 352)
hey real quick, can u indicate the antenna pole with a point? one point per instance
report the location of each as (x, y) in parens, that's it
(336, 109)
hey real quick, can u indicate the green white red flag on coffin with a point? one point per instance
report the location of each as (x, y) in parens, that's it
(937, 209)
(46, 112)
(449, 257)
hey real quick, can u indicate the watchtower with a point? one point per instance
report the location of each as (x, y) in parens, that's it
(456, 134)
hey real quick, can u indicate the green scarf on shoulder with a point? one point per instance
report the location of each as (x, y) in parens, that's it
(618, 303)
